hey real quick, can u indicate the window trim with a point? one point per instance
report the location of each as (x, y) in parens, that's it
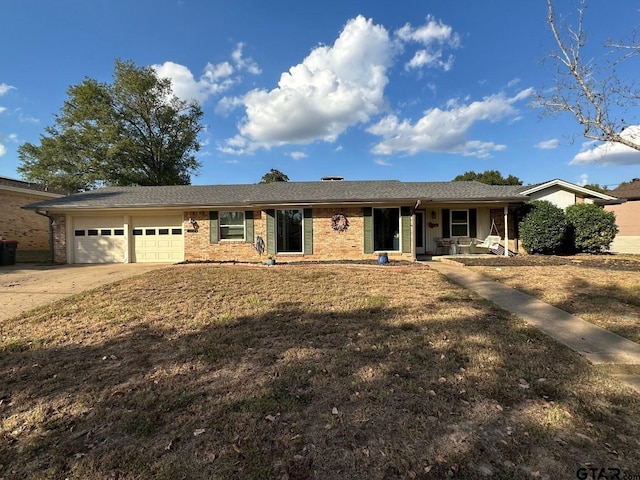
(221, 226)
(373, 229)
(451, 223)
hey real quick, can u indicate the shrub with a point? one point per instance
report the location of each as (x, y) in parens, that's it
(591, 228)
(543, 228)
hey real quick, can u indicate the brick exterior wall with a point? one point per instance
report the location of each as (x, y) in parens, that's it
(328, 244)
(60, 239)
(27, 227)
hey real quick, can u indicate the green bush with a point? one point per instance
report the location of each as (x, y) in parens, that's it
(591, 228)
(543, 228)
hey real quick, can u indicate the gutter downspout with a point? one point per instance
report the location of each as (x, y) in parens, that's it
(414, 231)
(506, 230)
(51, 259)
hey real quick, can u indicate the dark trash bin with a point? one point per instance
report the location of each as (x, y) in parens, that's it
(8, 250)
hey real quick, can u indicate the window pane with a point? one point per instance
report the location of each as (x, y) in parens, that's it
(79, 233)
(163, 231)
(458, 216)
(150, 231)
(92, 233)
(137, 231)
(105, 232)
(176, 231)
(231, 218)
(386, 229)
(232, 233)
(289, 231)
(118, 231)
(459, 230)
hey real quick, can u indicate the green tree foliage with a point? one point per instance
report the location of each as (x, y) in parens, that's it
(591, 229)
(490, 177)
(596, 187)
(131, 132)
(274, 176)
(543, 228)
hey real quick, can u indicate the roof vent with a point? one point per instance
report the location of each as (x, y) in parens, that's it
(332, 179)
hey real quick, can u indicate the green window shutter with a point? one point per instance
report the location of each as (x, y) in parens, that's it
(473, 223)
(308, 231)
(368, 229)
(271, 231)
(213, 227)
(248, 222)
(405, 224)
(446, 223)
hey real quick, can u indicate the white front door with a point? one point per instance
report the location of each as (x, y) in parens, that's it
(420, 232)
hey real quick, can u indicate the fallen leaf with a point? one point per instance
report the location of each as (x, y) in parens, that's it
(334, 411)
(199, 431)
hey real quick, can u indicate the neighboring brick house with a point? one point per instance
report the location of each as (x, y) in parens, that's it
(627, 218)
(297, 221)
(28, 228)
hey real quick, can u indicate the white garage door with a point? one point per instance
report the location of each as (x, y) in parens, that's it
(98, 239)
(157, 239)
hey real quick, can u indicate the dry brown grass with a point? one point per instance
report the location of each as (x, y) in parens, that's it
(294, 373)
(606, 297)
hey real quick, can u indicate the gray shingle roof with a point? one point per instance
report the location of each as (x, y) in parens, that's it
(276, 193)
(630, 191)
(12, 182)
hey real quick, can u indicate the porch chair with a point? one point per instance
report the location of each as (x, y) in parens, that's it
(465, 243)
(442, 244)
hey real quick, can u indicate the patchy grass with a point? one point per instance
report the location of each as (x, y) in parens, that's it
(603, 295)
(202, 371)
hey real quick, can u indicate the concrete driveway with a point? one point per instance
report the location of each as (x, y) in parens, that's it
(25, 286)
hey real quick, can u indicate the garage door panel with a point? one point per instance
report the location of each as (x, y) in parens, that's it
(158, 239)
(98, 239)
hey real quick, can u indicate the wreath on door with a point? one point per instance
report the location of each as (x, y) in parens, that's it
(339, 222)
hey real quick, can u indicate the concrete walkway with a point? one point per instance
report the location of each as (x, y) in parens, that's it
(616, 354)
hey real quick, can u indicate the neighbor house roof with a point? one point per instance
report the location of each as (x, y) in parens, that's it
(567, 186)
(283, 193)
(11, 184)
(630, 191)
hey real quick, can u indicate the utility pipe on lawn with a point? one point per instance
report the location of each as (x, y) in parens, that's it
(506, 230)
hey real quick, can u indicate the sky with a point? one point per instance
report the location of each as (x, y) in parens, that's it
(412, 90)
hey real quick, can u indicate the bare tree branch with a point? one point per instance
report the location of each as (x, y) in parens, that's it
(591, 89)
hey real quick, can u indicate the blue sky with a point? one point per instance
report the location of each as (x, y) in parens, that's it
(407, 90)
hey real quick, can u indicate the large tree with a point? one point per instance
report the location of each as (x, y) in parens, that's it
(274, 175)
(593, 89)
(490, 177)
(133, 131)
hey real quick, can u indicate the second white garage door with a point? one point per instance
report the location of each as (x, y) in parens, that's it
(157, 239)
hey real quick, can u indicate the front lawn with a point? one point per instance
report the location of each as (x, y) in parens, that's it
(323, 372)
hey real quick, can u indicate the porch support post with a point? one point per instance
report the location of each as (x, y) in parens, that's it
(506, 230)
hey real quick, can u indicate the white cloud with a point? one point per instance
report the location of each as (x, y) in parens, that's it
(434, 36)
(244, 63)
(513, 82)
(608, 153)
(379, 161)
(2, 109)
(298, 155)
(333, 88)
(584, 179)
(215, 79)
(3, 150)
(4, 88)
(548, 144)
(445, 130)
(227, 104)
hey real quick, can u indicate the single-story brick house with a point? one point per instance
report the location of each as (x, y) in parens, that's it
(324, 220)
(29, 229)
(627, 218)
